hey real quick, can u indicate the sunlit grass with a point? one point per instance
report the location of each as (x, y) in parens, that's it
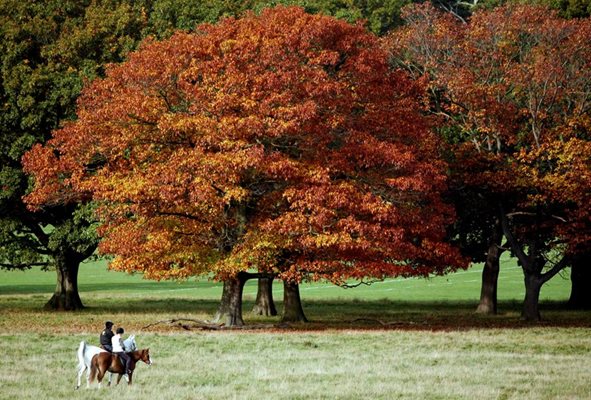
(444, 302)
(537, 363)
(97, 282)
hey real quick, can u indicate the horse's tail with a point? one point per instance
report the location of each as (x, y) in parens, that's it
(81, 349)
(93, 370)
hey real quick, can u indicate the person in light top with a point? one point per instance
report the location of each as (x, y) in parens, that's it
(117, 343)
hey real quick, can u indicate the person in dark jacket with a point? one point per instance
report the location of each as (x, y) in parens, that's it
(106, 336)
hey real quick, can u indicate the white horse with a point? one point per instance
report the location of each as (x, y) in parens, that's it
(87, 351)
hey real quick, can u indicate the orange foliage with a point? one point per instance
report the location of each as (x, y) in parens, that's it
(514, 84)
(281, 142)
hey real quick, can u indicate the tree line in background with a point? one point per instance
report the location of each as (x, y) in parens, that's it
(294, 145)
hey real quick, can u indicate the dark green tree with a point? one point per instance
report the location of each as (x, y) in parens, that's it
(47, 50)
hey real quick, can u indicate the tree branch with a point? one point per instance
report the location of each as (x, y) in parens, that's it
(24, 265)
(205, 325)
(198, 323)
(369, 283)
(559, 266)
(515, 246)
(531, 214)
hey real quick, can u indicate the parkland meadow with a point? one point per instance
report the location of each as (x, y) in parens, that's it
(396, 339)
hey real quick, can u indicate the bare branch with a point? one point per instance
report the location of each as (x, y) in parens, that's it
(24, 265)
(515, 246)
(531, 214)
(559, 266)
(198, 324)
(368, 283)
(450, 10)
(205, 325)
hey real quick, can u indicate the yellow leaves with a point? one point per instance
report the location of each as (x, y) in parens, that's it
(236, 194)
(327, 240)
(228, 45)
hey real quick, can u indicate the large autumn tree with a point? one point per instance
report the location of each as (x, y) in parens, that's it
(281, 143)
(512, 87)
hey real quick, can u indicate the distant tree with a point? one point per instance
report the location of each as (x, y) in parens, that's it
(514, 85)
(280, 142)
(167, 16)
(423, 47)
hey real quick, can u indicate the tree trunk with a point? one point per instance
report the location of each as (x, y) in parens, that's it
(533, 285)
(532, 267)
(264, 304)
(580, 276)
(292, 304)
(66, 296)
(490, 275)
(230, 309)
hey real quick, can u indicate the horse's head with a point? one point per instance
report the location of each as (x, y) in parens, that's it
(130, 344)
(145, 356)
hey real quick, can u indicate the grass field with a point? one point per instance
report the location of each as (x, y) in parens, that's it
(434, 346)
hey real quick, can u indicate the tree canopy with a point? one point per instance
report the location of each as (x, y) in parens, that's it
(280, 141)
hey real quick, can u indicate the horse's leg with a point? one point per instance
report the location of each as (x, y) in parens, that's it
(81, 369)
(119, 378)
(101, 375)
(110, 378)
(87, 377)
(130, 375)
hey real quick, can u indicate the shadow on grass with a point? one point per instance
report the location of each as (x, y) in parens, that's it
(140, 302)
(368, 315)
(25, 289)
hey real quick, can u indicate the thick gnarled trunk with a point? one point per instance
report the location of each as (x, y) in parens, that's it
(66, 296)
(292, 304)
(264, 304)
(230, 309)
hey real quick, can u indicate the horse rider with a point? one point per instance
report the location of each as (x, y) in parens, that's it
(119, 349)
(106, 336)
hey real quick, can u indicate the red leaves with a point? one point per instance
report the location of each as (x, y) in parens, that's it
(510, 86)
(280, 142)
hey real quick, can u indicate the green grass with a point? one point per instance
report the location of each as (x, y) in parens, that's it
(436, 303)
(434, 346)
(493, 364)
(95, 280)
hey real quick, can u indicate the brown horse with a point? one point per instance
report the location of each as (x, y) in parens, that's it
(108, 362)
